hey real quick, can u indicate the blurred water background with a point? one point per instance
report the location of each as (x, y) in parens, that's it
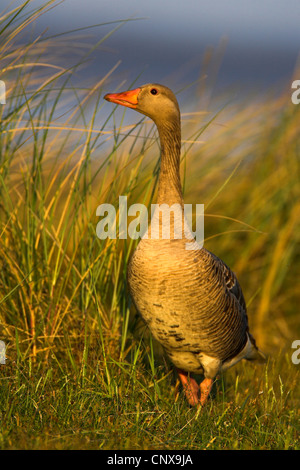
(253, 45)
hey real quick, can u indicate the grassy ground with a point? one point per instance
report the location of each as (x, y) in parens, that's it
(113, 405)
(81, 370)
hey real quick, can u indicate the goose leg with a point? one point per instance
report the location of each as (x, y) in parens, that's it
(205, 388)
(190, 387)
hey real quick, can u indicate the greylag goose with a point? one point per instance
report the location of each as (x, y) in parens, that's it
(189, 298)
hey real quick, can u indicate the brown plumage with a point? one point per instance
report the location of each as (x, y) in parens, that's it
(191, 301)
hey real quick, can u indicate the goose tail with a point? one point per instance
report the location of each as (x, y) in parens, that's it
(254, 353)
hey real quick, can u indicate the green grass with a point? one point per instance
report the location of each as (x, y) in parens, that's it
(115, 405)
(81, 370)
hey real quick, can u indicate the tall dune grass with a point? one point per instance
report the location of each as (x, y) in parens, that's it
(65, 314)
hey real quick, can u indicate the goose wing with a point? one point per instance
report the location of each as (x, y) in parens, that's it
(235, 289)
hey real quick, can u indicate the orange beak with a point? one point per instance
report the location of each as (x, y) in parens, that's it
(126, 98)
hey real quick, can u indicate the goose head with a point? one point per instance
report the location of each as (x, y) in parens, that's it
(153, 100)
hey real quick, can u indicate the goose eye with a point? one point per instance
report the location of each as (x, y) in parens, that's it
(153, 91)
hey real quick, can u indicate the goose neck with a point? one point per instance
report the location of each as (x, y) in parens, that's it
(169, 185)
